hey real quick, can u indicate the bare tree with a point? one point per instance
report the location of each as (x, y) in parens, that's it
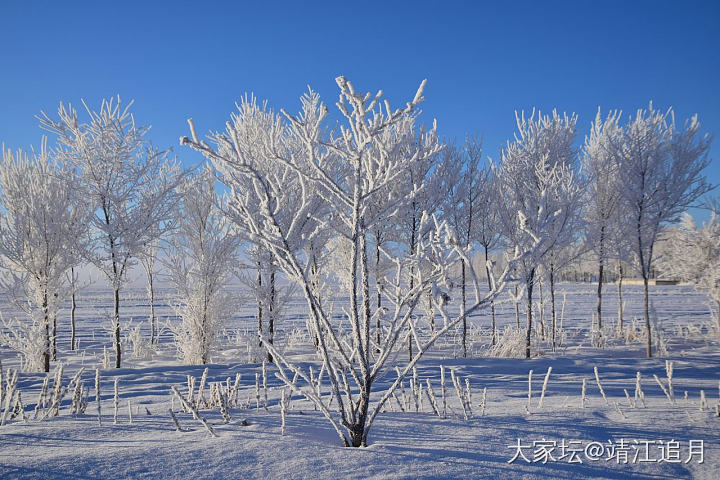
(538, 193)
(469, 208)
(424, 183)
(42, 224)
(602, 194)
(313, 169)
(660, 176)
(488, 230)
(129, 183)
(147, 260)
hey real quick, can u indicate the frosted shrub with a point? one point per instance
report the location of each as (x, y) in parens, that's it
(600, 338)
(196, 335)
(26, 339)
(254, 351)
(141, 347)
(633, 332)
(659, 340)
(510, 344)
(297, 338)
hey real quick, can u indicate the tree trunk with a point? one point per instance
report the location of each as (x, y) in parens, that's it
(365, 293)
(358, 432)
(517, 309)
(601, 259)
(462, 309)
(72, 309)
(431, 310)
(599, 302)
(529, 285)
(541, 309)
(204, 341)
(552, 305)
(412, 275)
(492, 301)
(271, 313)
(645, 264)
(620, 299)
(315, 285)
(54, 337)
(117, 276)
(73, 306)
(153, 340)
(116, 326)
(717, 304)
(46, 353)
(378, 287)
(259, 304)
(647, 314)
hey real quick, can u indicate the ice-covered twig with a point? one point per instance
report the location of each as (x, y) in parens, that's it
(194, 411)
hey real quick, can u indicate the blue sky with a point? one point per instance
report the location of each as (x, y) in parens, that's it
(483, 60)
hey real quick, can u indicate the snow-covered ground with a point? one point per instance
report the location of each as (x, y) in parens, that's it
(587, 442)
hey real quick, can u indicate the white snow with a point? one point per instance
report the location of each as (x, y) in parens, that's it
(401, 444)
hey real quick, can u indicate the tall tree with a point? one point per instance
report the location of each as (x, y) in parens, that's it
(423, 183)
(602, 195)
(469, 208)
(130, 185)
(147, 259)
(538, 193)
(486, 225)
(660, 177)
(43, 218)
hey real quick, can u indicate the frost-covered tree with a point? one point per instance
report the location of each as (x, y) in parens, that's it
(555, 260)
(425, 184)
(538, 193)
(271, 295)
(257, 258)
(73, 284)
(602, 194)
(660, 177)
(620, 248)
(201, 255)
(129, 183)
(148, 259)
(693, 255)
(486, 226)
(392, 222)
(43, 218)
(470, 210)
(345, 172)
(258, 144)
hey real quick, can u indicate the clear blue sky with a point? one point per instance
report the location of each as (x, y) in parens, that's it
(483, 60)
